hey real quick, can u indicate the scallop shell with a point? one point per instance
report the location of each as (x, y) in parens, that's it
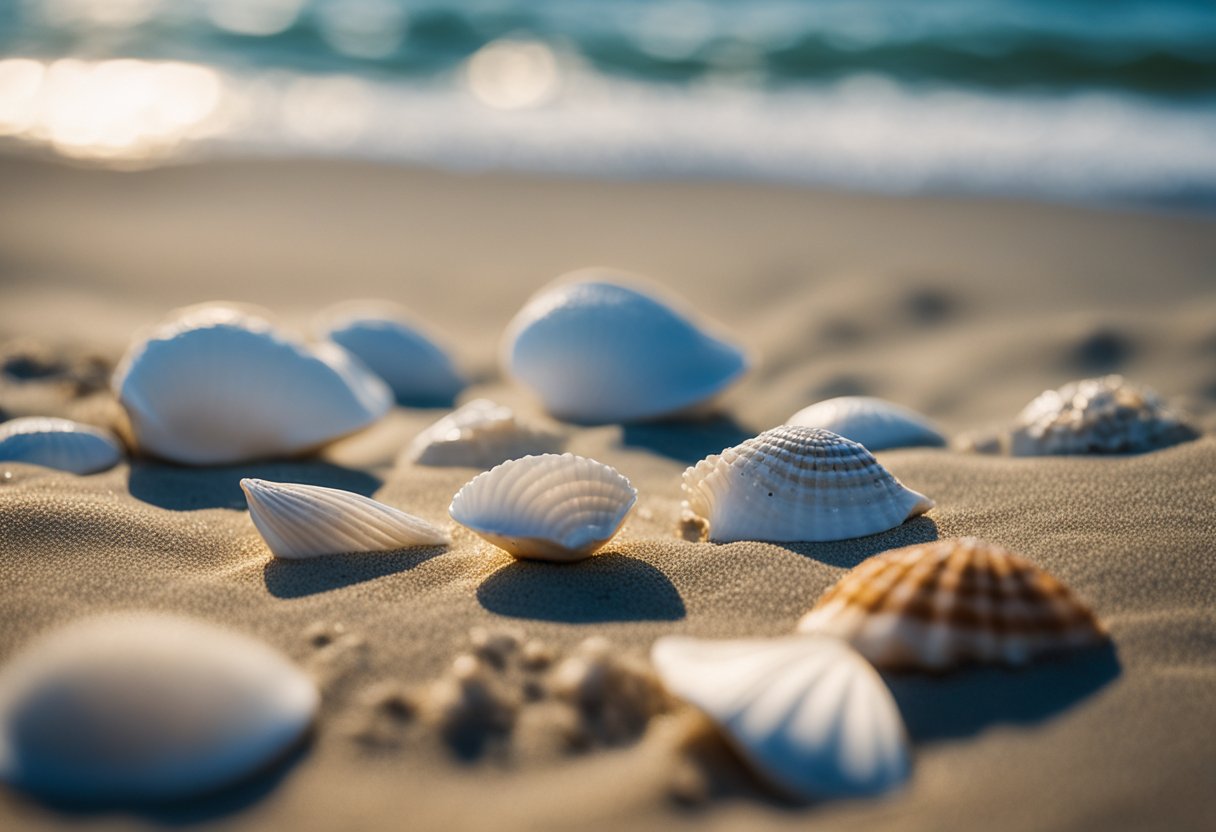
(146, 707)
(1097, 416)
(876, 423)
(558, 507)
(940, 604)
(58, 443)
(219, 384)
(383, 336)
(797, 484)
(479, 435)
(806, 712)
(304, 521)
(597, 350)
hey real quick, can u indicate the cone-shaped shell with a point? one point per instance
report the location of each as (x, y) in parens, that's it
(876, 423)
(809, 714)
(219, 384)
(940, 604)
(1097, 416)
(304, 521)
(58, 443)
(146, 707)
(596, 350)
(480, 434)
(797, 484)
(557, 507)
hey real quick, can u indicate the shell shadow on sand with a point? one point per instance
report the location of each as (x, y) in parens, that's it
(848, 553)
(288, 579)
(181, 488)
(686, 441)
(605, 587)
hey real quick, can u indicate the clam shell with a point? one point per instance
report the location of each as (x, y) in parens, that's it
(940, 604)
(58, 443)
(219, 384)
(596, 350)
(797, 484)
(1105, 415)
(876, 423)
(146, 707)
(479, 435)
(806, 712)
(394, 347)
(558, 507)
(304, 521)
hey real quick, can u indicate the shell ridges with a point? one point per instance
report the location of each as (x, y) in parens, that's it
(480, 434)
(875, 423)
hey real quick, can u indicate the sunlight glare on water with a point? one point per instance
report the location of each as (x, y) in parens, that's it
(513, 74)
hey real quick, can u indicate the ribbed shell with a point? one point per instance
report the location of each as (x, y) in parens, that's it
(797, 484)
(941, 604)
(1097, 416)
(58, 443)
(876, 423)
(304, 521)
(547, 507)
(480, 434)
(140, 707)
(809, 714)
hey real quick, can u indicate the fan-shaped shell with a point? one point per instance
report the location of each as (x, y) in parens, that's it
(596, 350)
(479, 435)
(876, 423)
(809, 714)
(394, 347)
(1097, 416)
(146, 707)
(58, 443)
(304, 521)
(219, 384)
(797, 484)
(558, 507)
(940, 604)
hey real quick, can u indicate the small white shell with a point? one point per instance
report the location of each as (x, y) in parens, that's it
(146, 707)
(596, 350)
(218, 384)
(797, 484)
(480, 434)
(304, 521)
(876, 423)
(382, 336)
(58, 443)
(808, 713)
(548, 507)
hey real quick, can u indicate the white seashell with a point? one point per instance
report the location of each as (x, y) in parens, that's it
(595, 351)
(218, 384)
(876, 423)
(806, 712)
(394, 347)
(1097, 416)
(797, 484)
(146, 707)
(58, 443)
(480, 434)
(304, 521)
(548, 507)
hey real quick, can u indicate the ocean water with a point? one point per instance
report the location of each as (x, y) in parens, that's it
(1095, 100)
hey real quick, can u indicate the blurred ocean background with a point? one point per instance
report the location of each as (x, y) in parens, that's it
(1093, 100)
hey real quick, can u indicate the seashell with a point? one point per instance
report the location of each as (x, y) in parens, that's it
(796, 484)
(480, 434)
(806, 712)
(558, 507)
(219, 384)
(383, 336)
(597, 350)
(940, 604)
(1097, 416)
(304, 521)
(876, 423)
(141, 707)
(58, 443)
